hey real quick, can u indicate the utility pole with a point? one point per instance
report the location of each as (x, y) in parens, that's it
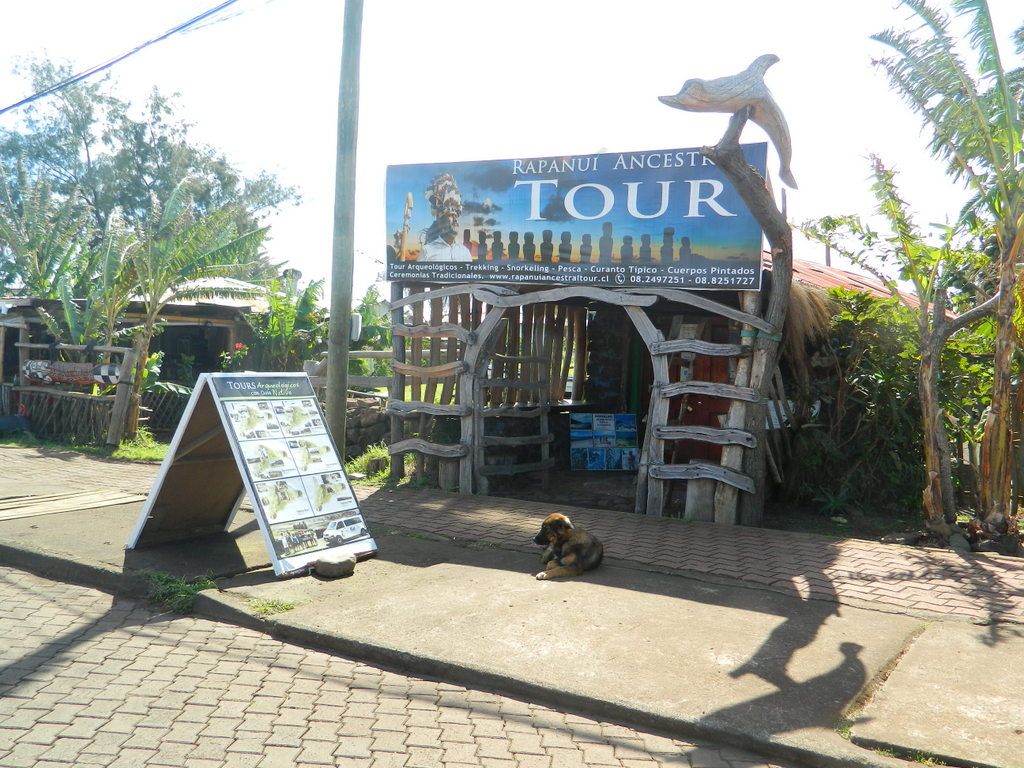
(343, 252)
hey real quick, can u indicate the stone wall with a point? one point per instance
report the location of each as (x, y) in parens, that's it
(366, 424)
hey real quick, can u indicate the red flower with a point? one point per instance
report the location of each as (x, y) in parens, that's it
(239, 346)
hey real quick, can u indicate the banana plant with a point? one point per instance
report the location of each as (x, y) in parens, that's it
(178, 249)
(977, 121)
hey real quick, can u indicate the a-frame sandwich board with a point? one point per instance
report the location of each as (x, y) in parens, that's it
(263, 434)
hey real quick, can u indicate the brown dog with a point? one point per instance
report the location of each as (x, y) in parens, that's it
(568, 549)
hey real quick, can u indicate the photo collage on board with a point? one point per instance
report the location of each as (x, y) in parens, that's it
(305, 496)
(603, 441)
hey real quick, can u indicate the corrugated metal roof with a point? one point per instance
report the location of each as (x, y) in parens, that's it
(822, 276)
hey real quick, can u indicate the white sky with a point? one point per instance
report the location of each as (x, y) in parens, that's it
(478, 80)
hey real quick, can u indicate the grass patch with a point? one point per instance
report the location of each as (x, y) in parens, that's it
(374, 464)
(175, 594)
(265, 608)
(844, 725)
(144, 447)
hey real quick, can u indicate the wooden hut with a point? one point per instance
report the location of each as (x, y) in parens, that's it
(483, 372)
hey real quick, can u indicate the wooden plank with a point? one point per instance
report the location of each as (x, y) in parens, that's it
(562, 347)
(371, 354)
(517, 441)
(511, 412)
(35, 506)
(522, 393)
(650, 496)
(619, 297)
(486, 293)
(414, 361)
(580, 341)
(455, 451)
(468, 429)
(657, 413)
(698, 347)
(714, 389)
(397, 408)
(714, 471)
(470, 479)
(522, 386)
(450, 349)
(73, 347)
(685, 297)
(430, 392)
(397, 390)
(47, 390)
(518, 358)
(506, 342)
(785, 429)
(648, 332)
(516, 469)
(444, 330)
(431, 371)
(369, 382)
(715, 435)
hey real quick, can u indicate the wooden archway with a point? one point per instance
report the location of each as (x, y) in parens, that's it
(479, 368)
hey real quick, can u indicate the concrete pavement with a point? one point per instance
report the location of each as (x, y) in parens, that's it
(799, 647)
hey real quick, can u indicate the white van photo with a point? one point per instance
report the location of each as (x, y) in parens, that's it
(344, 530)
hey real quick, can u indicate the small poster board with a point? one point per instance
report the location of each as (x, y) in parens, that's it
(603, 441)
(262, 434)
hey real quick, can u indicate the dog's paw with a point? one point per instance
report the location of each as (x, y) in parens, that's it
(542, 575)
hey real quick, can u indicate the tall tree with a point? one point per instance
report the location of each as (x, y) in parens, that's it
(119, 155)
(179, 250)
(977, 125)
(929, 269)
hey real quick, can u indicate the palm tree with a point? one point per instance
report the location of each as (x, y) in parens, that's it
(42, 236)
(93, 316)
(976, 119)
(177, 249)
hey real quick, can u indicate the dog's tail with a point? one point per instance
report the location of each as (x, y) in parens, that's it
(594, 558)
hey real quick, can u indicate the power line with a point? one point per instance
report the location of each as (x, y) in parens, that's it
(106, 65)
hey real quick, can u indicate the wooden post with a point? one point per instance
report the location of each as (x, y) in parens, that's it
(653, 453)
(122, 399)
(471, 394)
(732, 455)
(23, 340)
(343, 249)
(752, 189)
(397, 471)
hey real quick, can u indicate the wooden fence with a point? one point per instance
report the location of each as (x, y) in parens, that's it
(61, 414)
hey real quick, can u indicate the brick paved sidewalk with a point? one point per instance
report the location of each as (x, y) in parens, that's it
(87, 679)
(925, 582)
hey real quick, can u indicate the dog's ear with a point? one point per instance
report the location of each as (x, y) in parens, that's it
(567, 523)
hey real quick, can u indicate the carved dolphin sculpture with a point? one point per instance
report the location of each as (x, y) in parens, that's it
(733, 93)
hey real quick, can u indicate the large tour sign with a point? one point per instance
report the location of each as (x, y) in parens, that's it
(666, 218)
